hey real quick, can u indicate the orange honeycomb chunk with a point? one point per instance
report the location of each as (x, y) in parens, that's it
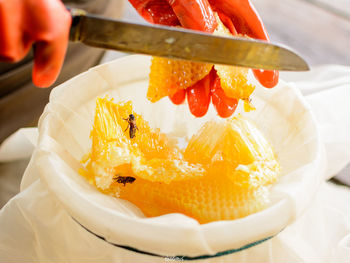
(149, 154)
(207, 199)
(235, 149)
(168, 76)
(222, 174)
(233, 80)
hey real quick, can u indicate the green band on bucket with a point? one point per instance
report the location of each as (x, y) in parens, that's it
(180, 258)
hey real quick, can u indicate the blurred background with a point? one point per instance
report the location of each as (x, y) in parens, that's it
(319, 30)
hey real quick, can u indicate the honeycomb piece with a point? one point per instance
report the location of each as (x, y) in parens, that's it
(235, 149)
(150, 154)
(223, 174)
(233, 79)
(207, 199)
(168, 76)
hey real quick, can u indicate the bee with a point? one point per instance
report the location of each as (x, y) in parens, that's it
(124, 179)
(132, 125)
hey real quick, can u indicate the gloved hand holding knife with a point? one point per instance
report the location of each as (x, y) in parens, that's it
(43, 23)
(237, 15)
(46, 23)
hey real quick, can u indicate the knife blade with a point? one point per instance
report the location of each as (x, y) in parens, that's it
(178, 43)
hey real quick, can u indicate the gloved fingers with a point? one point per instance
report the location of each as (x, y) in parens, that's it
(48, 60)
(198, 97)
(227, 21)
(43, 22)
(246, 20)
(267, 78)
(14, 43)
(224, 105)
(244, 17)
(194, 14)
(156, 11)
(51, 37)
(179, 97)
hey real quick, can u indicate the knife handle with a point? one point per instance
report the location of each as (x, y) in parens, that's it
(77, 17)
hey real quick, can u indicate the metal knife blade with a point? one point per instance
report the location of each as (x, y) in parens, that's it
(183, 44)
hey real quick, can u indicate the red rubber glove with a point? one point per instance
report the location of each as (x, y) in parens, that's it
(46, 24)
(237, 15)
(241, 17)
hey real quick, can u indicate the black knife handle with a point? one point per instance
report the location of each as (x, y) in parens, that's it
(77, 17)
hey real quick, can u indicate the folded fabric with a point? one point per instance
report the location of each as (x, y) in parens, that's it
(38, 223)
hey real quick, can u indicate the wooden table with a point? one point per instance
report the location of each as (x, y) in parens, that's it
(318, 29)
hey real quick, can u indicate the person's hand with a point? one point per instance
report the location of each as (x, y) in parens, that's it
(239, 16)
(44, 23)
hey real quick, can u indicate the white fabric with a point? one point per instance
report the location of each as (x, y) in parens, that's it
(39, 223)
(327, 90)
(19, 145)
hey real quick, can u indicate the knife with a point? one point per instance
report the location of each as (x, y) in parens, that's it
(178, 43)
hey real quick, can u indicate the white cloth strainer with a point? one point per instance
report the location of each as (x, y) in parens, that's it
(59, 217)
(282, 115)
